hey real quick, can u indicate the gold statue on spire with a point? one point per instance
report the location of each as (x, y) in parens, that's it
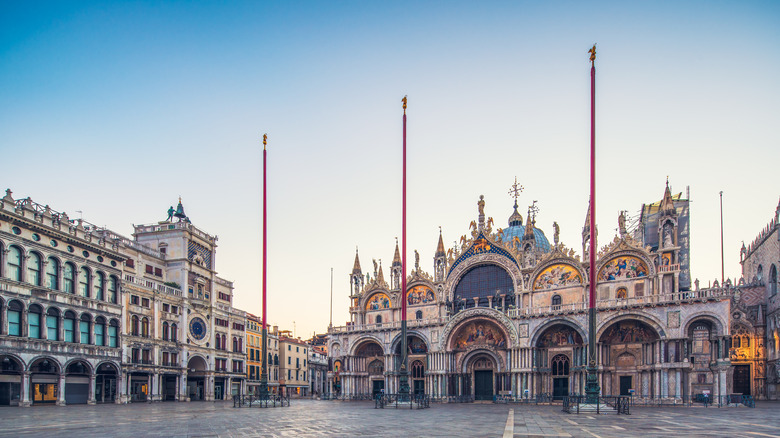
(265, 140)
(404, 101)
(592, 52)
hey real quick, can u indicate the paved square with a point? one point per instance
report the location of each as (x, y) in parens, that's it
(308, 418)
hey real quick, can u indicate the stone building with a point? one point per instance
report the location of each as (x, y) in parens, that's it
(60, 308)
(506, 312)
(318, 371)
(755, 350)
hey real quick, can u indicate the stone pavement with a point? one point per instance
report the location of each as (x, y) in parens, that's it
(309, 418)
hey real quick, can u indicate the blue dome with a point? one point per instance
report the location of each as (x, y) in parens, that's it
(519, 231)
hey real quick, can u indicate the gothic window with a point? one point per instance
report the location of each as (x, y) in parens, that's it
(34, 269)
(174, 333)
(556, 302)
(235, 343)
(483, 282)
(218, 340)
(418, 370)
(53, 274)
(772, 281)
(560, 365)
(145, 327)
(376, 368)
(760, 273)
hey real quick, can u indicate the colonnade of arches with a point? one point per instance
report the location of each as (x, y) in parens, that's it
(44, 380)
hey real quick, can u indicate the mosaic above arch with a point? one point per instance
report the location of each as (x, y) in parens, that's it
(559, 336)
(480, 333)
(378, 301)
(420, 295)
(557, 275)
(624, 267)
(480, 246)
(624, 332)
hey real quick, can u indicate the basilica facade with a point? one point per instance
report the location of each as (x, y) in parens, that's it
(506, 313)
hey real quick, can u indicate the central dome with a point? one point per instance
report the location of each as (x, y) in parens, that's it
(516, 229)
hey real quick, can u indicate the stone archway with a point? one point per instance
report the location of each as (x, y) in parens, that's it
(560, 355)
(481, 369)
(628, 349)
(11, 370)
(197, 370)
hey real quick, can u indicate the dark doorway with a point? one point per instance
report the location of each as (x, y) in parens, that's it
(377, 386)
(625, 384)
(419, 387)
(483, 385)
(742, 379)
(560, 387)
(169, 388)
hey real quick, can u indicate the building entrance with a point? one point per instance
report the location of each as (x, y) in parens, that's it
(483, 385)
(625, 384)
(169, 388)
(419, 387)
(377, 386)
(742, 379)
(195, 388)
(560, 387)
(44, 393)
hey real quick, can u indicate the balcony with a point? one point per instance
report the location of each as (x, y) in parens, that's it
(669, 268)
(153, 285)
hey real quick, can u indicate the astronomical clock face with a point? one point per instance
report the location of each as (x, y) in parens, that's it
(198, 328)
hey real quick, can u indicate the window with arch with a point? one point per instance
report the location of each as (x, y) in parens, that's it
(69, 326)
(145, 327)
(100, 331)
(98, 285)
(15, 318)
(622, 293)
(112, 287)
(556, 302)
(276, 359)
(14, 263)
(418, 370)
(113, 333)
(376, 368)
(418, 314)
(379, 319)
(218, 342)
(53, 324)
(69, 277)
(483, 281)
(34, 321)
(235, 343)
(772, 281)
(760, 273)
(53, 273)
(560, 365)
(165, 331)
(84, 281)
(84, 324)
(34, 269)
(740, 337)
(174, 334)
(135, 325)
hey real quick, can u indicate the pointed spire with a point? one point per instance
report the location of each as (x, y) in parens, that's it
(440, 246)
(180, 211)
(356, 267)
(667, 204)
(380, 278)
(529, 226)
(397, 255)
(516, 219)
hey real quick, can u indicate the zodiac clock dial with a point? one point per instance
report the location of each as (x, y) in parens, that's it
(197, 328)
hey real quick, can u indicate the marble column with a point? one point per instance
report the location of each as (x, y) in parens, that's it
(61, 390)
(92, 384)
(25, 389)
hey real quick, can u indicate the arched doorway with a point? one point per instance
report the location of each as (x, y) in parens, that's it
(560, 350)
(370, 363)
(44, 376)
(483, 368)
(105, 383)
(417, 352)
(560, 376)
(628, 348)
(77, 375)
(10, 381)
(196, 378)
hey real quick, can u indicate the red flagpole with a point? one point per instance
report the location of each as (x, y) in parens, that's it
(265, 259)
(403, 228)
(593, 246)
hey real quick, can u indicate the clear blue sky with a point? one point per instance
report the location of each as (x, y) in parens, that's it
(117, 108)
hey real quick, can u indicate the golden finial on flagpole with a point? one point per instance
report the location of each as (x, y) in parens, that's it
(592, 52)
(404, 101)
(265, 140)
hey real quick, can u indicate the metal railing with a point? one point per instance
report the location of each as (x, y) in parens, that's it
(419, 401)
(620, 404)
(256, 401)
(723, 401)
